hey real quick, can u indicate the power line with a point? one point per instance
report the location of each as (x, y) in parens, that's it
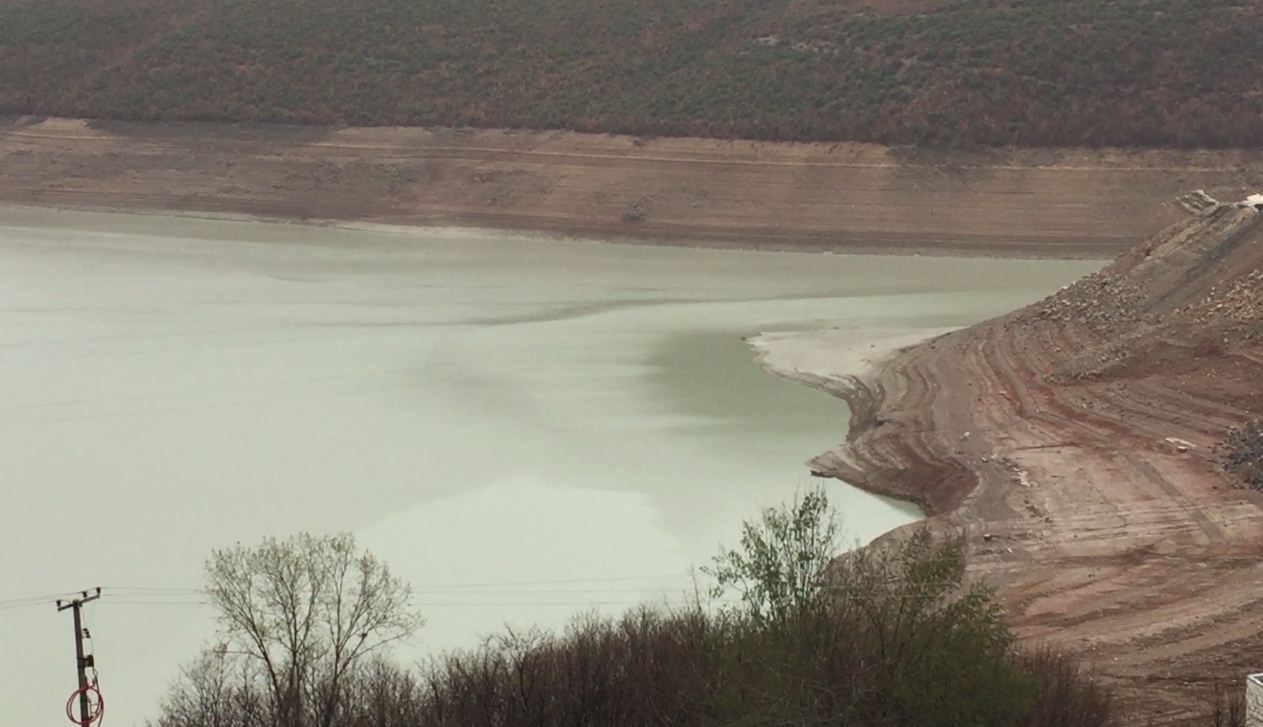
(161, 599)
(519, 591)
(434, 604)
(523, 604)
(442, 586)
(49, 597)
(474, 592)
(116, 602)
(24, 605)
(556, 582)
(156, 588)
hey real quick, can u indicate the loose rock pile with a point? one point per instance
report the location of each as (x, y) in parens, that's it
(1242, 454)
(1240, 303)
(1122, 315)
(1103, 302)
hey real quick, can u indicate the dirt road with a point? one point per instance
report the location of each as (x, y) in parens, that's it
(681, 191)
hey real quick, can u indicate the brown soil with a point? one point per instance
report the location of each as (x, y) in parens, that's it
(1049, 203)
(1074, 444)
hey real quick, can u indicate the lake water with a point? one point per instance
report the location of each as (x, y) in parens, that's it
(522, 428)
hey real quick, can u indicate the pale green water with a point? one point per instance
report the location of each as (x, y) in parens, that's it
(480, 410)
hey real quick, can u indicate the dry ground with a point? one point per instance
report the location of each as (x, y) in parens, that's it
(1074, 444)
(1061, 203)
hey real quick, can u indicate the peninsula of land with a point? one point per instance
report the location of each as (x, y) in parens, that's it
(1099, 451)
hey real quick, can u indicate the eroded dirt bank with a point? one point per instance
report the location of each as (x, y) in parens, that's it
(1078, 445)
(1046, 203)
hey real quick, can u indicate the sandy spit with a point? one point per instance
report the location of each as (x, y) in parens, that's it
(833, 359)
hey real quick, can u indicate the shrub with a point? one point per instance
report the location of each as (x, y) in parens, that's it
(883, 637)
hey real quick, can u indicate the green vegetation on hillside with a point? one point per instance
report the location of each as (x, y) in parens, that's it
(882, 638)
(1243, 454)
(947, 72)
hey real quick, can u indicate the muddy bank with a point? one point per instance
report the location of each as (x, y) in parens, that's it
(847, 364)
(1075, 445)
(845, 197)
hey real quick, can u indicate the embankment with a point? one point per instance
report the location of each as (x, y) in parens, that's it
(1077, 446)
(852, 197)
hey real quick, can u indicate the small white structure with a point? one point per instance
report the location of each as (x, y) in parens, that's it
(1254, 700)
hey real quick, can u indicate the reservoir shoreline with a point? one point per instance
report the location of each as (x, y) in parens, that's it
(846, 364)
(1096, 506)
(199, 377)
(810, 197)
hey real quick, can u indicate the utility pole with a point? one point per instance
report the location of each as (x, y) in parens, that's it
(82, 663)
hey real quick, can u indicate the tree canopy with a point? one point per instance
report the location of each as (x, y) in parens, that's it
(1180, 73)
(298, 616)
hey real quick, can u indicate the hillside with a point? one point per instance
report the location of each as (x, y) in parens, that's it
(1099, 451)
(767, 195)
(939, 72)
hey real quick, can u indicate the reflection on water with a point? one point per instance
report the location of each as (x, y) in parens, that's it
(523, 428)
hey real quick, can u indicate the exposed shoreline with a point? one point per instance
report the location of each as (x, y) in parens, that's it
(1045, 203)
(1096, 507)
(595, 236)
(828, 359)
(846, 369)
(1100, 535)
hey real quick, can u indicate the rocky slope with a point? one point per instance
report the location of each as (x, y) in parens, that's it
(1096, 451)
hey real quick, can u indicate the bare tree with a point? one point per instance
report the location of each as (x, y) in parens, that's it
(304, 611)
(216, 690)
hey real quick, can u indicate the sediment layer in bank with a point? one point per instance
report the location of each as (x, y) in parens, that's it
(844, 197)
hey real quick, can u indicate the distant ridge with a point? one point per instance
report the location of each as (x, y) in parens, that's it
(1176, 73)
